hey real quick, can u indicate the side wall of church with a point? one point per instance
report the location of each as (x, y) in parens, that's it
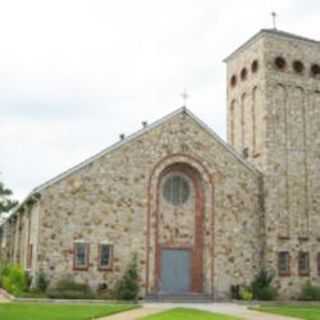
(113, 200)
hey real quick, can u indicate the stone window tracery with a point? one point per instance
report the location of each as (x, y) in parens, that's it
(298, 66)
(233, 81)
(244, 74)
(176, 190)
(315, 70)
(280, 63)
(254, 66)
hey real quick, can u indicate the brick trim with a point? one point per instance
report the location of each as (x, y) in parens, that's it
(197, 249)
(167, 162)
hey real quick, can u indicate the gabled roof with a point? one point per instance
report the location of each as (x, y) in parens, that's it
(277, 32)
(137, 134)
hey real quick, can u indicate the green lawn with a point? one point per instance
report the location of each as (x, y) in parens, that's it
(188, 314)
(301, 312)
(38, 311)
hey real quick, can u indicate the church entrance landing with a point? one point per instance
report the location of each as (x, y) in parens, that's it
(175, 277)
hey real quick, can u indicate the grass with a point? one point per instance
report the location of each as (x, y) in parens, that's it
(302, 312)
(39, 311)
(188, 314)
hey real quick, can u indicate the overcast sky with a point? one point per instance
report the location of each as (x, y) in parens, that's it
(75, 74)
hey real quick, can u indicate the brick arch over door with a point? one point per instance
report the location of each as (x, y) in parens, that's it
(202, 248)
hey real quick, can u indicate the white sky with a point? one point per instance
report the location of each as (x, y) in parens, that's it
(75, 74)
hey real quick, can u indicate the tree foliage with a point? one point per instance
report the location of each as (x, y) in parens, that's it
(6, 202)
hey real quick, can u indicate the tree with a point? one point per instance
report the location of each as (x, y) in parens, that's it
(6, 203)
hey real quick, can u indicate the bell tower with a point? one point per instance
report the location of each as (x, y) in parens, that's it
(245, 100)
(273, 120)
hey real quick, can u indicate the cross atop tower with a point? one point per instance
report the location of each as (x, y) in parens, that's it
(185, 97)
(274, 19)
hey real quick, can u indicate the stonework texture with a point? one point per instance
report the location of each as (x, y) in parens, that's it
(245, 204)
(286, 122)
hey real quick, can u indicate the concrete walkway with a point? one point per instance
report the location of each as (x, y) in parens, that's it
(231, 309)
(135, 314)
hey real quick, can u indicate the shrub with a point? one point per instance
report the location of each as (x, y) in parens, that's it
(267, 294)
(69, 289)
(310, 292)
(28, 280)
(262, 286)
(246, 294)
(13, 279)
(42, 282)
(235, 292)
(128, 286)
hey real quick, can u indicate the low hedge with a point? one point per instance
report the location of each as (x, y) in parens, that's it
(69, 294)
(69, 289)
(310, 292)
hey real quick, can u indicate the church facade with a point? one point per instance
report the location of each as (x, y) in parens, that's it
(199, 213)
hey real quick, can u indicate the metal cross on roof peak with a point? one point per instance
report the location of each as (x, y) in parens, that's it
(274, 19)
(185, 97)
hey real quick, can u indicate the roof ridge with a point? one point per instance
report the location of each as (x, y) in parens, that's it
(269, 31)
(131, 137)
(107, 149)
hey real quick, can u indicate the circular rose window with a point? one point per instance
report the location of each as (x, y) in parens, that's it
(176, 190)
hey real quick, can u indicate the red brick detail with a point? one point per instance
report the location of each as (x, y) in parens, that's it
(186, 167)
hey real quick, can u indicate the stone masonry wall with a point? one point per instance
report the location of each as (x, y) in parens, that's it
(113, 199)
(289, 132)
(292, 175)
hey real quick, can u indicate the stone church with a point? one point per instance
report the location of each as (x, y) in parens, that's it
(201, 214)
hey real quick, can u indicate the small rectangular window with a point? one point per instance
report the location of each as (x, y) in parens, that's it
(105, 256)
(304, 264)
(284, 263)
(81, 256)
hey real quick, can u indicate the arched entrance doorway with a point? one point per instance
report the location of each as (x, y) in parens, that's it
(180, 218)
